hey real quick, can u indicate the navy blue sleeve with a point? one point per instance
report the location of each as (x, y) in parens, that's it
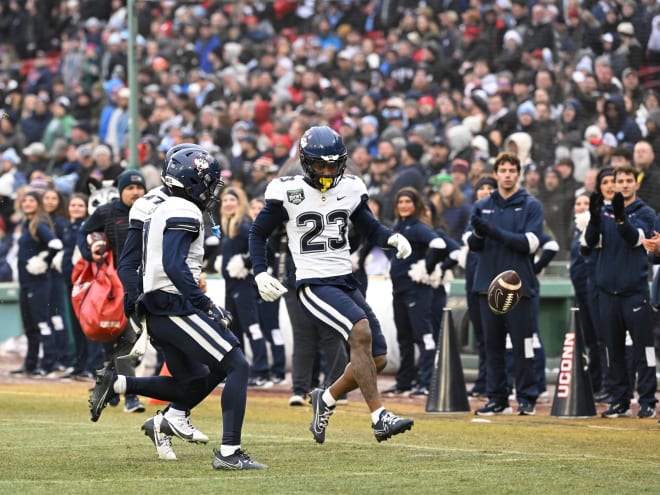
(270, 217)
(435, 256)
(95, 223)
(368, 226)
(129, 264)
(177, 238)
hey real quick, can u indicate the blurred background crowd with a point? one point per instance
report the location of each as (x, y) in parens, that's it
(424, 94)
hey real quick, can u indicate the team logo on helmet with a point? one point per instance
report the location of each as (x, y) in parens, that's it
(201, 163)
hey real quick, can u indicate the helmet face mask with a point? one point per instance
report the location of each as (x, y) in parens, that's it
(323, 157)
(194, 175)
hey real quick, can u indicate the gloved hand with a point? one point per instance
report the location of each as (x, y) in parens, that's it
(37, 264)
(480, 226)
(220, 316)
(618, 207)
(595, 207)
(269, 287)
(403, 248)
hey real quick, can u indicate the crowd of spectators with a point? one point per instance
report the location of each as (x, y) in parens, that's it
(423, 93)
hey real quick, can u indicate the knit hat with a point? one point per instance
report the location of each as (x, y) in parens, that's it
(487, 180)
(128, 177)
(605, 172)
(459, 165)
(437, 180)
(527, 108)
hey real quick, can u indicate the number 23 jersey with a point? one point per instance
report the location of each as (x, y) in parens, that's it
(317, 223)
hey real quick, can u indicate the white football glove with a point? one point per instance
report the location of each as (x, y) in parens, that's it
(269, 287)
(37, 264)
(401, 244)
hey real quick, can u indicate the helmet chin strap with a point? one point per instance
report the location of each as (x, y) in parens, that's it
(326, 183)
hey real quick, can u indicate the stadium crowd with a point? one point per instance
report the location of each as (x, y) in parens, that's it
(424, 94)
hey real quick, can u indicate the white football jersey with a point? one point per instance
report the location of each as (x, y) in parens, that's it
(144, 205)
(318, 223)
(173, 209)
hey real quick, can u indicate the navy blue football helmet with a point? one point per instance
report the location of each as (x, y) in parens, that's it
(174, 149)
(321, 146)
(194, 175)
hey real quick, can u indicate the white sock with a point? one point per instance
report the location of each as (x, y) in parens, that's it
(120, 384)
(227, 450)
(174, 413)
(375, 415)
(328, 398)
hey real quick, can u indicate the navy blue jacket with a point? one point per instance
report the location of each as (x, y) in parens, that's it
(419, 235)
(29, 247)
(519, 224)
(232, 246)
(578, 265)
(69, 240)
(622, 265)
(111, 218)
(655, 286)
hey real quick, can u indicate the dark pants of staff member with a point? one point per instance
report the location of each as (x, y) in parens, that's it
(631, 312)
(269, 320)
(241, 301)
(520, 325)
(414, 328)
(36, 324)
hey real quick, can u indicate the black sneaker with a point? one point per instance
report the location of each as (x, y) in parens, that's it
(101, 392)
(239, 460)
(602, 397)
(396, 390)
(133, 405)
(389, 425)
(526, 409)
(646, 411)
(476, 392)
(419, 392)
(322, 413)
(492, 408)
(618, 411)
(38, 373)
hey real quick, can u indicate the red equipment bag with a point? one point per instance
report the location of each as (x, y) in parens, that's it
(98, 299)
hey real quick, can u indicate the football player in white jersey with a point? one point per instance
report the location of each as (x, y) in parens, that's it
(191, 330)
(174, 420)
(316, 209)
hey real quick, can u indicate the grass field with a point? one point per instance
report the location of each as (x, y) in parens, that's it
(49, 446)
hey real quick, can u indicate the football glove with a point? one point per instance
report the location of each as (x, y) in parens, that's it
(220, 316)
(269, 287)
(403, 249)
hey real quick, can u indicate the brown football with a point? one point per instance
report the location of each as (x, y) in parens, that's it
(97, 242)
(504, 292)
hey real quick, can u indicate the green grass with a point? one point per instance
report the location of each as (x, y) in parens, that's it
(49, 446)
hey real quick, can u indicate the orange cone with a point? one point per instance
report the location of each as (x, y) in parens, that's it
(164, 371)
